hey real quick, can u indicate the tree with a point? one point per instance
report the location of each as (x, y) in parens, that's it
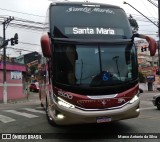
(33, 69)
(133, 24)
(142, 78)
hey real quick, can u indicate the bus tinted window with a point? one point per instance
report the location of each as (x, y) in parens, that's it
(98, 66)
(89, 22)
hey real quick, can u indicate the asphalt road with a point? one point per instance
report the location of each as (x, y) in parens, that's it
(29, 117)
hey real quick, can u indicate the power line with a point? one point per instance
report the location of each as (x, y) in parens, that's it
(148, 31)
(20, 49)
(28, 26)
(27, 30)
(155, 11)
(140, 16)
(22, 20)
(29, 43)
(144, 25)
(153, 3)
(21, 12)
(40, 28)
(144, 3)
(137, 17)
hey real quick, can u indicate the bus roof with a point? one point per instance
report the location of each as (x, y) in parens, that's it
(84, 3)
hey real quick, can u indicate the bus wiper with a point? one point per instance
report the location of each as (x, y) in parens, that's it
(116, 58)
(81, 71)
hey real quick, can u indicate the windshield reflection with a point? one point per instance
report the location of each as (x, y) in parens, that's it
(94, 66)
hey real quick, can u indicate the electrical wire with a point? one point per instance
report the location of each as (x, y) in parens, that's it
(39, 26)
(148, 9)
(29, 43)
(22, 12)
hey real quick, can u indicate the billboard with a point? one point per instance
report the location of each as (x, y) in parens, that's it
(15, 75)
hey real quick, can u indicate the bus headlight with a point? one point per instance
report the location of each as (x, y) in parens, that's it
(135, 98)
(64, 103)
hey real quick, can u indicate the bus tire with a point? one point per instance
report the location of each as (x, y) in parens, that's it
(42, 105)
(50, 121)
(158, 103)
(40, 100)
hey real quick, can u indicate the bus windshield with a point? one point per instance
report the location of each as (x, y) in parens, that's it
(94, 65)
(91, 64)
(94, 22)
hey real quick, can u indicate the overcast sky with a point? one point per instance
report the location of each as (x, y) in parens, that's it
(35, 10)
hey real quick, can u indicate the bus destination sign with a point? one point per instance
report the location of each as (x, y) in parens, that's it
(93, 31)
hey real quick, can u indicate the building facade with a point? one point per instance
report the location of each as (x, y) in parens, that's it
(147, 64)
(14, 81)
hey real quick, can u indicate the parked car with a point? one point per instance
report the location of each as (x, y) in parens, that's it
(156, 100)
(34, 87)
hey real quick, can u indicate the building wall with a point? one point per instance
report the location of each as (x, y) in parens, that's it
(145, 55)
(14, 87)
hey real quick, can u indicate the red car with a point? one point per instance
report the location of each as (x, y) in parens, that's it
(34, 87)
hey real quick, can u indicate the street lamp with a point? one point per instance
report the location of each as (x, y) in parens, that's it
(157, 25)
(140, 13)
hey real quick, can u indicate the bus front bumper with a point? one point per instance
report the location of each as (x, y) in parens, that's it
(67, 116)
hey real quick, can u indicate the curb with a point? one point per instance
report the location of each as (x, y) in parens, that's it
(29, 98)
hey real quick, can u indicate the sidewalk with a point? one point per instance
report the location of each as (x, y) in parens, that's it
(144, 87)
(31, 98)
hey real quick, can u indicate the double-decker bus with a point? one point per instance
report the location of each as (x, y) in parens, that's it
(90, 70)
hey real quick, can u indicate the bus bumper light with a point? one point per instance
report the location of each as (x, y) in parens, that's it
(134, 99)
(60, 116)
(64, 103)
(137, 110)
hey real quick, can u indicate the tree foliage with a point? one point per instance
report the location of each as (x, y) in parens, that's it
(133, 24)
(33, 69)
(142, 78)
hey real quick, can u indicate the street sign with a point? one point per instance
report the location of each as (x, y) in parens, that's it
(150, 78)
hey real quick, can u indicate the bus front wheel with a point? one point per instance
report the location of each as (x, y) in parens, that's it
(49, 118)
(158, 103)
(40, 99)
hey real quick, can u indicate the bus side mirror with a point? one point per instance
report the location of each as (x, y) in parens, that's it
(45, 45)
(152, 43)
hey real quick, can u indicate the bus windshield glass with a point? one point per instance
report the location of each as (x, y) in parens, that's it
(89, 22)
(94, 65)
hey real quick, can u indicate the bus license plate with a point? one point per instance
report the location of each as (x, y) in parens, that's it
(103, 119)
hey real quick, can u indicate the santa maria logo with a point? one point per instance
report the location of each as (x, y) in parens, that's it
(90, 10)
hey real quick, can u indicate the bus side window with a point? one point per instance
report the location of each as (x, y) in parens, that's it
(72, 56)
(61, 64)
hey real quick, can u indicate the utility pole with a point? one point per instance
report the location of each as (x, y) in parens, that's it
(5, 24)
(159, 33)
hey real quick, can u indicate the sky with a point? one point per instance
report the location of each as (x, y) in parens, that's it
(35, 10)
